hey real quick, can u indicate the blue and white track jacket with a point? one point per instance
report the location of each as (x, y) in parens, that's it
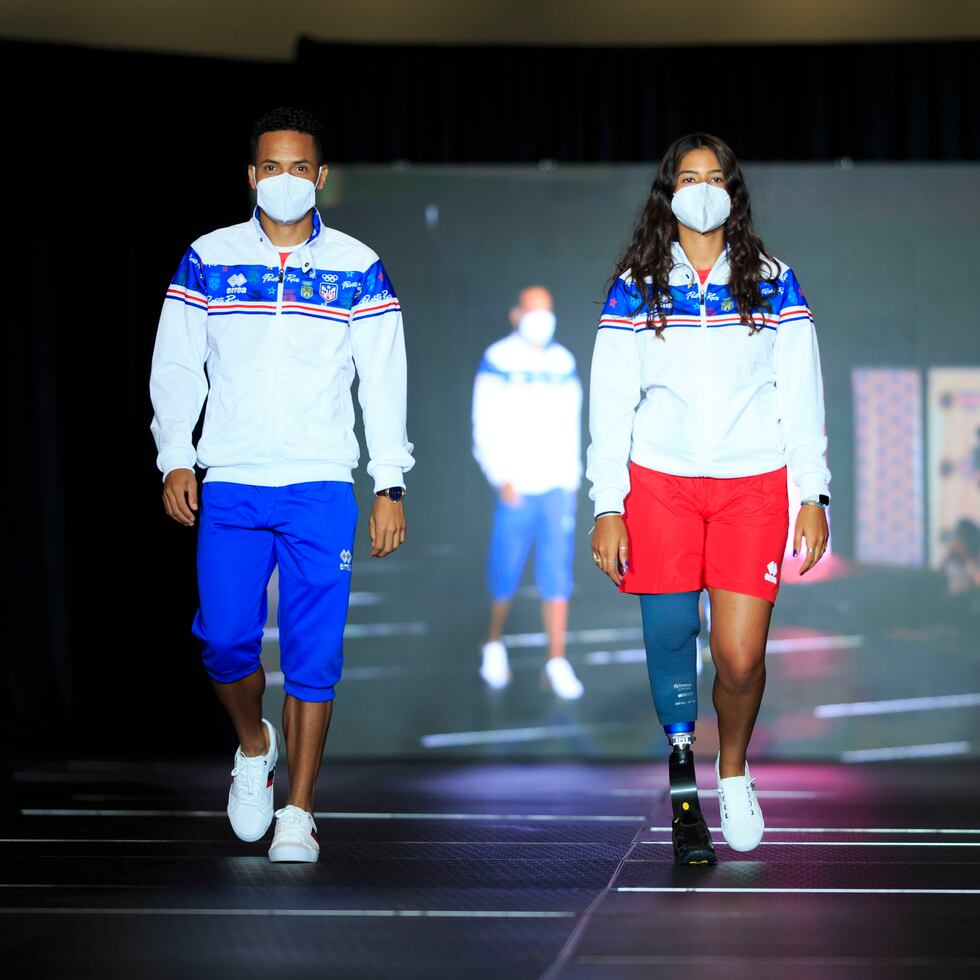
(280, 350)
(527, 416)
(709, 398)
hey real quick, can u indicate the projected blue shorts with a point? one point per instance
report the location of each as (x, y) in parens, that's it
(308, 530)
(545, 520)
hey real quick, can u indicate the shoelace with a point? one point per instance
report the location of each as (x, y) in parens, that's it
(251, 769)
(749, 789)
(292, 820)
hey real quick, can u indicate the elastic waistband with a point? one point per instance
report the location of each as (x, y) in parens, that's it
(280, 474)
(659, 471)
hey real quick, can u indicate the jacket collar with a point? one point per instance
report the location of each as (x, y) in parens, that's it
(260, 231)
(684, 273)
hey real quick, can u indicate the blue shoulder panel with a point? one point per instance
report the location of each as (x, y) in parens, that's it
(623, 300)
(190, 273)
(376, 287)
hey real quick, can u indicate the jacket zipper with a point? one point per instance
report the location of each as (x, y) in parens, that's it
(704, 367)
(275, 386)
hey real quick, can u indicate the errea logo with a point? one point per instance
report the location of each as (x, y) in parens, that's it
(236, 283)
(345, 560)
(772, 571)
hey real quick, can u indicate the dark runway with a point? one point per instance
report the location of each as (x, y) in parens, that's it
(465, 870)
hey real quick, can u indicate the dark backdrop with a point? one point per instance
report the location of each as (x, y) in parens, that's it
(115, 161)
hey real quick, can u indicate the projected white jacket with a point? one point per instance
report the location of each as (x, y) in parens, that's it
(709, 398)
(527, 408)
(280, 349)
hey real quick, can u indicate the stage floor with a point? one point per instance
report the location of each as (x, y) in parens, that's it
(490, 870)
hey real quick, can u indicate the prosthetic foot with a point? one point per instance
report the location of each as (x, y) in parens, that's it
(691, 837)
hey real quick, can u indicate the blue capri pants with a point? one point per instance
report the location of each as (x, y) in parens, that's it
(307, 529)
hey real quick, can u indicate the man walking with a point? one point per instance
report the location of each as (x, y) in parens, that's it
(269, 320)
(527, 406)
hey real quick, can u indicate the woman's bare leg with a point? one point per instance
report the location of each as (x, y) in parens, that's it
(739, 630)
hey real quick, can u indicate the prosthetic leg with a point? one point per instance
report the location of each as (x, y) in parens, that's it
(689, 831)
(670, 629)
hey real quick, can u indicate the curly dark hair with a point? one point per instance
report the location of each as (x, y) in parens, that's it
(649, 253)
(286, 117)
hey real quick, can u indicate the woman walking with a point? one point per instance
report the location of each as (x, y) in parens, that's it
(705, 387)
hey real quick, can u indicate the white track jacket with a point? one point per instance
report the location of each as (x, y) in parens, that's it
(275, 352)
(709, 398)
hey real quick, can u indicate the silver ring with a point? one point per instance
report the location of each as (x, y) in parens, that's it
(811, 550)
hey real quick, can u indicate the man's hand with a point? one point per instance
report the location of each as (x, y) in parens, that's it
(180, 496)
(811, 524)
(509, 495)
(610, 546)
(386, 526)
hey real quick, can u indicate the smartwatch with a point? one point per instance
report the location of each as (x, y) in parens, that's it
(822, 500)
(393, 493)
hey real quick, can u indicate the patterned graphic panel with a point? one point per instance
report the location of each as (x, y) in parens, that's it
(954, 473)
(888, 466)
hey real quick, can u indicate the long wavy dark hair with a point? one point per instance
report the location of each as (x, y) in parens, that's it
(649, 253)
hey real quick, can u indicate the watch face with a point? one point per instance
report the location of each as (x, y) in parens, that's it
(824, 499)
(396, 493)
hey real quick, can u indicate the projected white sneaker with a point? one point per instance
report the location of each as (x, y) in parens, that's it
(495, 668)
(562, 679)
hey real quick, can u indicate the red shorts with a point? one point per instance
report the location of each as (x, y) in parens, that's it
(689, 532)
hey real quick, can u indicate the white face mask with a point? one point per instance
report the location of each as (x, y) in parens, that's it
(702, 206)
(537, 327)
(286, 198)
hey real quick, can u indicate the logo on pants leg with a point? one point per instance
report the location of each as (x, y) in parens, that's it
(772, 570)
(345, 559)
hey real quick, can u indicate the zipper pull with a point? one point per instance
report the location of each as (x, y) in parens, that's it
(702, 297)
(282, 273)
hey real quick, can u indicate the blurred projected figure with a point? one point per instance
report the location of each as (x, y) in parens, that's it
(527, 403)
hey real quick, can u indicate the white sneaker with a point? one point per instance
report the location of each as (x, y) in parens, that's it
(295, 836)
(741, 815)
(495, 669)
(250, 797)
(562, 679)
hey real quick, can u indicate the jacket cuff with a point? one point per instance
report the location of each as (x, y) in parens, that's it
(176, 459)
(812, 486)
(607, 500)
(387, 476)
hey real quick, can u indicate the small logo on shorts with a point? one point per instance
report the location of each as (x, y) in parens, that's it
(772, 570)
(345, 558)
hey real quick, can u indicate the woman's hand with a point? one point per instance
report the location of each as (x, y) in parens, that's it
(610, 546)
(811, 524)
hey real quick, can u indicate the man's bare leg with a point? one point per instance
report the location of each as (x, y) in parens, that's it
(498, 619)
(554, 615)
(305, 725)
(242, 700)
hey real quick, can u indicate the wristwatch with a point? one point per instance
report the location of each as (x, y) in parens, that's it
(393, 493)
(821, 500)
